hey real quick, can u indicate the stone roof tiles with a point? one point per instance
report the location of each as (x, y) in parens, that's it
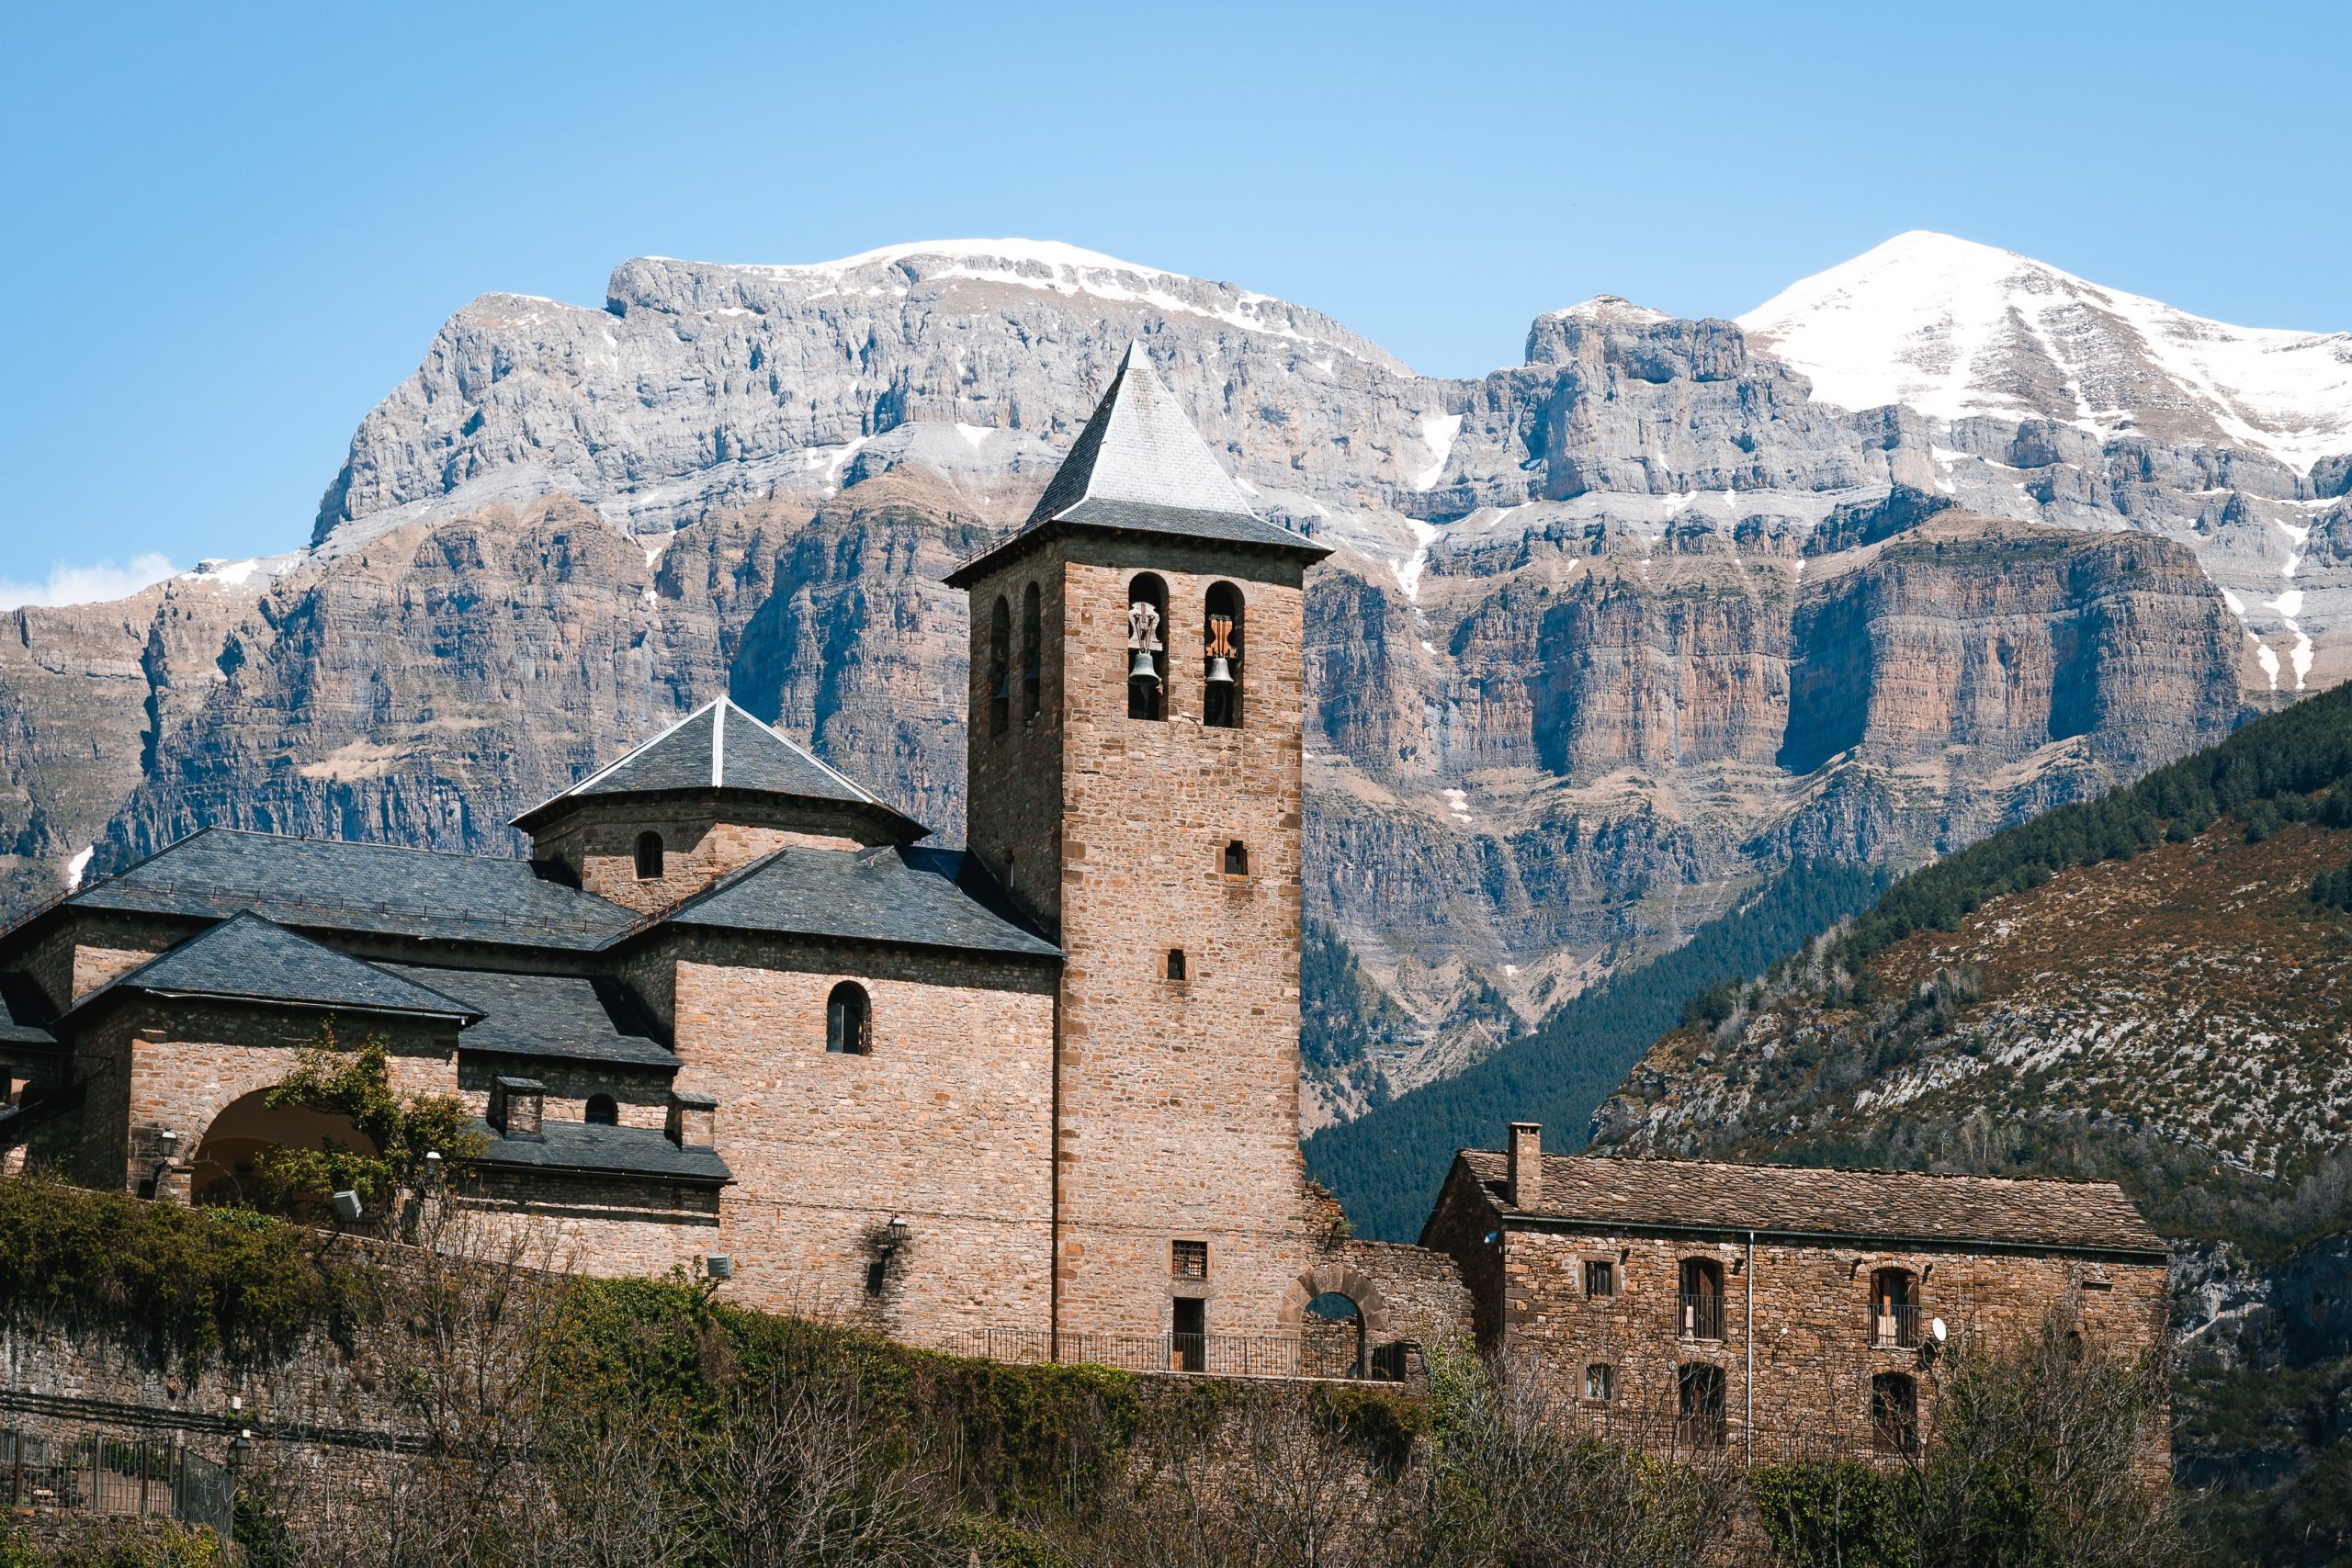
(1140, 467)
(23, 1013)
(719, 746)
(576, 1018)
(1792, 1200)
(598, 1150)
(375, 889)
(901, 894)
(247, 958)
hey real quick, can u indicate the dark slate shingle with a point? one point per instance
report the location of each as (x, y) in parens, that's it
(1724, 1195)
(247, 958)
(23, 1013)
(576, 1016)
(611, 1151)
(924, 897)
(376, 889)
(697, 753)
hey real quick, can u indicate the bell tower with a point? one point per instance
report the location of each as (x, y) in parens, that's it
(1136, 715)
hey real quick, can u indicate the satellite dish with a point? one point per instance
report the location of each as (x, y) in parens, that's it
(1936, 1327)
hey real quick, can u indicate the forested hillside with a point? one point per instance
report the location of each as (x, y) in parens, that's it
(2152, 988)
(1385, 1165)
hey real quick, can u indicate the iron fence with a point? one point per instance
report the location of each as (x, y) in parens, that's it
(114, 1476)
(1216, 1355)
(1895, 1326)
(1703, 1315)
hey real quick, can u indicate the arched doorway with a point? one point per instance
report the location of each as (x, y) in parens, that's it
(1333, 1332)
(1341, 1321)
(223, 1162)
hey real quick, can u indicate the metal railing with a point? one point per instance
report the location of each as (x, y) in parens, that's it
(1895, 1326)
(1216, 1355)
(112, 1475)
(1703, 1315)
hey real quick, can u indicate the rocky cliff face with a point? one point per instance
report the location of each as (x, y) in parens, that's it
(1609, 635)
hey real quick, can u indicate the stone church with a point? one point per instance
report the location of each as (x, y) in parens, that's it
(1037, 1096)
(1033, 1099)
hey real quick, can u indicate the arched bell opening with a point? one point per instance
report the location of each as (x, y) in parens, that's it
(1221, 657)
(223, 1166)
(999, 669)
(1147, 648)
(1033, 653)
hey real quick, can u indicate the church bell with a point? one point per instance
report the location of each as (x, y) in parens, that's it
(1220, 671)
(1140, 668)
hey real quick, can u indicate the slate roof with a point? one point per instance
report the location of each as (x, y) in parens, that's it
(1139, 466)
(574, 1017)
(246, 958)
(916, 897)
(607, 1151)
(1790, 1200)
(20, 1005)
(719, 746)
(376, 889)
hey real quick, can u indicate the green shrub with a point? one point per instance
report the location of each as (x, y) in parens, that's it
(191, 1283)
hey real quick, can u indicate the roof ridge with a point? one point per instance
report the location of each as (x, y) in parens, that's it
(581, 783)
(806, 755)
(1828, 1170)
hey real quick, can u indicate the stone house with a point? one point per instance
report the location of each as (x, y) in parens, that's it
(1782, 1312)
(1035, 1097)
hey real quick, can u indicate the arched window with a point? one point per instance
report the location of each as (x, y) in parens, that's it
(1033, 654)
(1599, 1384)
(1699, 1405)
(1894, 1413)
(648, 857)
(1702, 1299)
(1221, 657)
(849, 1021)
(603, 1110)
(1147, 648)
(999, 672)
(1894, 1309)
(1176, 964)
(1237, 859)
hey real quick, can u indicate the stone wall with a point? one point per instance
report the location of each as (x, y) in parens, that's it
(597, 843)
(946, 1124)
(1177, 1094)
(1802, 1312)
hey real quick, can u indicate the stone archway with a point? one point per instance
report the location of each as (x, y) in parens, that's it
(1342, 1345)
(224, 1156)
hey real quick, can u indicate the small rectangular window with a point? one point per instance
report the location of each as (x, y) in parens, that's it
(1189, 1261)
(1599, 1384)
(1599, 1276)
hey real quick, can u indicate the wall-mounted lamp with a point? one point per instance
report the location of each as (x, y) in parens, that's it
(346, 1206)
(720, 1267)
(898, 1232)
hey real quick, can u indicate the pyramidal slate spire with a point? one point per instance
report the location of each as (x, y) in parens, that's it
(1140, 467)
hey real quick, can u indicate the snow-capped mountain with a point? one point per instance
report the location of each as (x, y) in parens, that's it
(1954, 329)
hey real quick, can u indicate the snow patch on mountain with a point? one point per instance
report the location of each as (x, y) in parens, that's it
(1955, 330)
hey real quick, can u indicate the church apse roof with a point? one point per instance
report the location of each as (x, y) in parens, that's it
(1139, 466)
(719, 747)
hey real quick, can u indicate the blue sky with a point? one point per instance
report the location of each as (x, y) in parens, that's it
(232, 230)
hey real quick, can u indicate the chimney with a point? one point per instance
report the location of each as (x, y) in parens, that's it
(516, 1107)
(693, 1119)
(1523, 1182)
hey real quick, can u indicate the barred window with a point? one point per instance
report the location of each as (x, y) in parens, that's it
(1189, 1260)
(1599, 1382)
(1599, 1276)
